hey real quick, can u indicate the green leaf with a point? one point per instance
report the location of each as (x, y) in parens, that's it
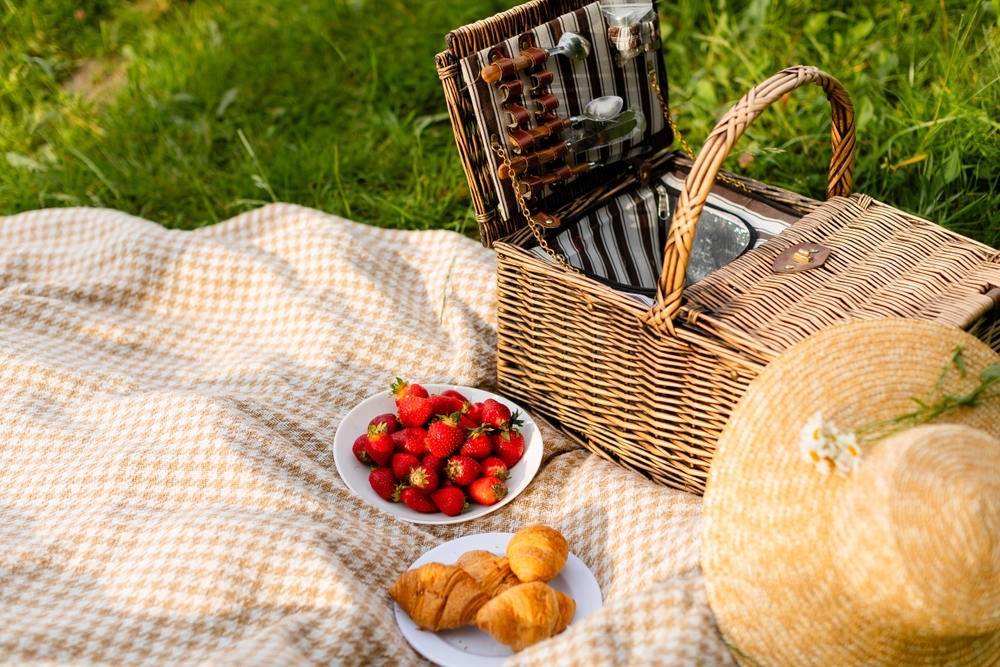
(861, 30)
(959, 361)
(423, 122)
(228, 98)
(952, 166)
(705, 91)
(19, 161)
(816, 23)
(990, 375)
(866, 111)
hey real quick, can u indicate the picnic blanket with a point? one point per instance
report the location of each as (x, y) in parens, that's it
(168, 492)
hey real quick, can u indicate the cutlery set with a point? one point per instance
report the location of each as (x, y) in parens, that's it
(613, 132)
(602, 122)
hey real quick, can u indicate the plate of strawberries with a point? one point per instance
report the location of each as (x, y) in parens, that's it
(436, 453)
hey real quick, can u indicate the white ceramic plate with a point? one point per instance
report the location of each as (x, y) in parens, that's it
(355, 474)
(469, 646)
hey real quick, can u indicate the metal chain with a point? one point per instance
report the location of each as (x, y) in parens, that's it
(526, 212)
(677, 133)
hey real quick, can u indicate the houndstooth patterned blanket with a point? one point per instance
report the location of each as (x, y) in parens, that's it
(169, 401)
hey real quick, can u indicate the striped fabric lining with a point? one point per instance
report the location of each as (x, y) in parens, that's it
(622, 243)
(575, 82)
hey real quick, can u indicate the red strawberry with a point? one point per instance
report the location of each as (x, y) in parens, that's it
(462, 470)
(494, 467)
(450, 500)
(389, 419)
(444, 437)
(446, 484)
(384, 483)
(398, 438)
(432, 461)
(445, 405)
(495, 413)
(487, 490)
(401, 464)
(359, 449)
(415, 411)
(474, 411)
(411, 440)
(415, 501)
(423, 479)
(508, 446)
(477, 445)
(401, 389)
(380, 446)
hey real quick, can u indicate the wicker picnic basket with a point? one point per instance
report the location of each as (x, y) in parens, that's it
(652, 386)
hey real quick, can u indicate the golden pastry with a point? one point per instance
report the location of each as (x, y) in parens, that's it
(537, 553)
(526, 614)
(438, 597)
(492, 572)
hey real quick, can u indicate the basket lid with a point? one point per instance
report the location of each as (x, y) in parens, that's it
(880, 262)
(479, 109)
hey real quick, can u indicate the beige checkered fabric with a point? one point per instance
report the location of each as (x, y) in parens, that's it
(665, 623)
(169, 401)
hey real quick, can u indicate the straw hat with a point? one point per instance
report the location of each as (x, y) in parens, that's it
(894, 563)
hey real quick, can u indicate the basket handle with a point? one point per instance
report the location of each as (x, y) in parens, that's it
(702, 176)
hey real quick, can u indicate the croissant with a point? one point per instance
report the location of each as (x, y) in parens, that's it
(491, 572)
(537, 553)
(438, 597)
(526, 614)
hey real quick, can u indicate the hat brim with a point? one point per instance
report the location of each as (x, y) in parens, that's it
(766, 542)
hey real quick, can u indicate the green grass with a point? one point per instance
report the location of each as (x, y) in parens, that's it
(925, 80)
(212, 108)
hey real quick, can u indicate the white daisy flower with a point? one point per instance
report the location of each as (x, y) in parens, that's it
(828, 448)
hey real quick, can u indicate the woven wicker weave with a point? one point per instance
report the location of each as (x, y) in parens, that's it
(652, 388)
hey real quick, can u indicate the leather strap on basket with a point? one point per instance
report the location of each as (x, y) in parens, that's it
(699, 182)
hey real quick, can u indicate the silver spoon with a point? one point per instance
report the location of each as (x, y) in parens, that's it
(572, 46)
(601, 109)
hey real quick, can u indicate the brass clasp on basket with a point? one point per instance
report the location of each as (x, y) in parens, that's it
(801, 257)
(547, 220)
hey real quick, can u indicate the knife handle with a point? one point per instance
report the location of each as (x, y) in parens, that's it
(534, 184)
(519, 165)
(522, 140)
(505, 68)
(553, 152)
(549, 126)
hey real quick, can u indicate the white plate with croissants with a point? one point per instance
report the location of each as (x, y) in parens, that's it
(475, 601)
